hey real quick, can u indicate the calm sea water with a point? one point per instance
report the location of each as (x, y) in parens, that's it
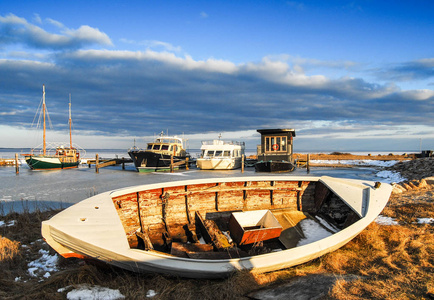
(60, 189)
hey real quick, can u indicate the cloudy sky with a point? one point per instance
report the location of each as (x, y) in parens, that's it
(346, 75)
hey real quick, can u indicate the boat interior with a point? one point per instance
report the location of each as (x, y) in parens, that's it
(230, 219)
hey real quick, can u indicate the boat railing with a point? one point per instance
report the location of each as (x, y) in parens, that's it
(169, 140)
(221, 142)
(51, 149)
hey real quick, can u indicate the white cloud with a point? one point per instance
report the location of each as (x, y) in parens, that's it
(20, 32)
(424, 94)
(89, 34)
(55, 23)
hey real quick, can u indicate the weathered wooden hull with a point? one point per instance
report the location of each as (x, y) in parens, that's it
(274, 166)
(107, 226)
(39, 162)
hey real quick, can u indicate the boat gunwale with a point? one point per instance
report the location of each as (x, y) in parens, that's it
(166, 184)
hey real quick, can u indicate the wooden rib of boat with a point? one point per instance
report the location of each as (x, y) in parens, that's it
(210, 228)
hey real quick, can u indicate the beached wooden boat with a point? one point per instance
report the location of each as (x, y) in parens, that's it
(212, 227)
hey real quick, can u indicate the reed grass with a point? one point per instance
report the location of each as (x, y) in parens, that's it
(385, 262)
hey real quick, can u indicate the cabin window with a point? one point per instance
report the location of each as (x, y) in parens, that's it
(218, 153)
(210, 153)
(203, 153)
(149, 147)
(165, 147)
(156, 147)
(227, 153)
(276, 144)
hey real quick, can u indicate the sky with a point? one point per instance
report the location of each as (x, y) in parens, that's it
(346, 75)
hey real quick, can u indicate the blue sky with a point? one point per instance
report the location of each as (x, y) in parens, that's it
(346, 75)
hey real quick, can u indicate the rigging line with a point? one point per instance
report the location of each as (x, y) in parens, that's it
(48, 117)
(37, 114)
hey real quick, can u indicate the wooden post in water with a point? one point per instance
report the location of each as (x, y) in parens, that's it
(307, 163)
(186, 163)
(171, 163)
(17, 166)
(242, 163)
(96, 163)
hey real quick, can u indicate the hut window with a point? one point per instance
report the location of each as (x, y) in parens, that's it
(276, 144)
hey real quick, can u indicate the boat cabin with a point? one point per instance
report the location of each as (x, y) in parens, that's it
(167, 145)
(276, 145)
(220, 149)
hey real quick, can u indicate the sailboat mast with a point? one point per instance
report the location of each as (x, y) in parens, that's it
(70, 122)
(43, 109)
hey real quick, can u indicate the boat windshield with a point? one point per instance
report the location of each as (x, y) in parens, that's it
(156, 147)
(165, 147)
(216, 153)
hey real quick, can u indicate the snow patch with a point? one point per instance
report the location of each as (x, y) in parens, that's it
(383, 220)
(391, 176)
(44, 265)
(86, 292)
(312, 231)
(363, 162)
(8, 224)
(151, 293)
(425, 220)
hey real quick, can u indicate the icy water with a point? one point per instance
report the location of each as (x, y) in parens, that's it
(62, 188)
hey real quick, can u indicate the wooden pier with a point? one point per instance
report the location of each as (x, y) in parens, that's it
(105, 162)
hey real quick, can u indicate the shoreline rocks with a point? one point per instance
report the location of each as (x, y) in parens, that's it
(414, 169)
(418, 172)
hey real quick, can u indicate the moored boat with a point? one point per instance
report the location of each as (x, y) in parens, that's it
(275, 152)
(160, 154)
(220, 155)
(258, 223)
(55, 156)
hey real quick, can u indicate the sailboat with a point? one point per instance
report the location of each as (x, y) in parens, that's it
(62, 158)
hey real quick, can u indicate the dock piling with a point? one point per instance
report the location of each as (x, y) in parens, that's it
(308, 163)
(96, 163)
(242, 163)
(17, 166)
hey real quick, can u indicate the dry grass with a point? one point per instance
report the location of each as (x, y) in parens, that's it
(389, 262)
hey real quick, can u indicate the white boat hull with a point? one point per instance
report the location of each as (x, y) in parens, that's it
(92, 228)
(218, 163)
